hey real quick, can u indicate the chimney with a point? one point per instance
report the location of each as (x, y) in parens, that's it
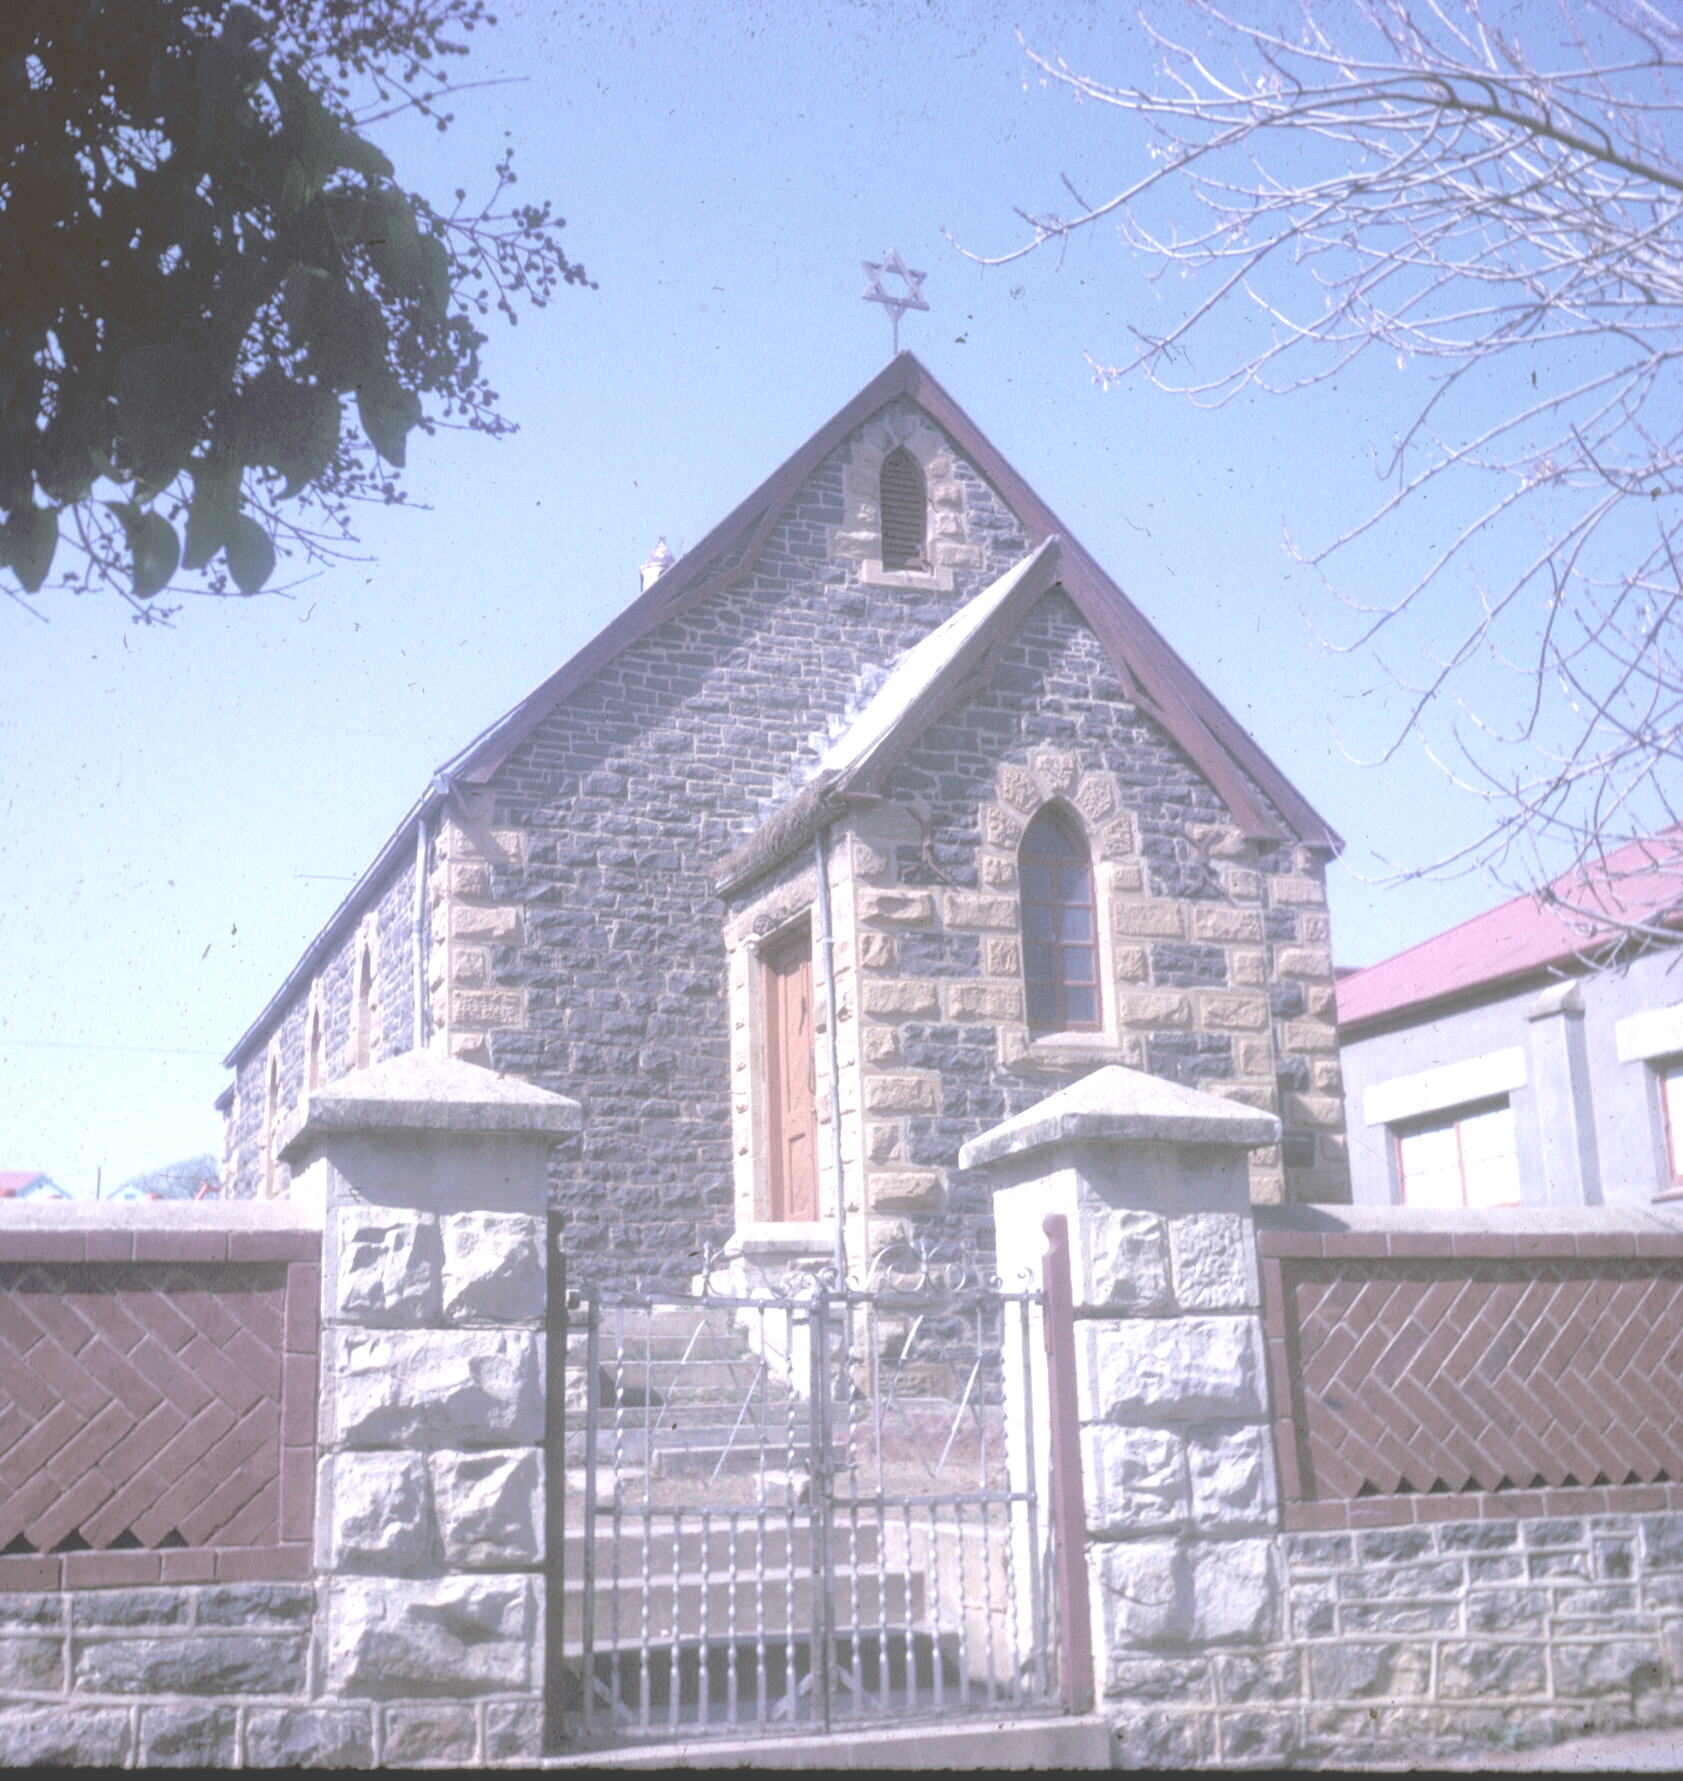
(660, 559)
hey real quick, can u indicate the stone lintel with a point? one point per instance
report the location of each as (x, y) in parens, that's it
(421, 1091)
(1116, 1105)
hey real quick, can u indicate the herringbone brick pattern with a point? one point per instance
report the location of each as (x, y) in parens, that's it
(1422, 1377)
(140, 1407)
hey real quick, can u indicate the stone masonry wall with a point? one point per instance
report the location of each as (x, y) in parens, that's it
(629, 794)
(390, 921)
(1216, 971)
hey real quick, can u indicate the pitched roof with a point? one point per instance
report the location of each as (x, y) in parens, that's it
(1579, 914)
(1151, 672)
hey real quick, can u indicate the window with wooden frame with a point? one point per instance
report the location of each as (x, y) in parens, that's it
(1668, 1078)
(905, 512)
(1060, 926)
(789, 1077)
(1465, 1156)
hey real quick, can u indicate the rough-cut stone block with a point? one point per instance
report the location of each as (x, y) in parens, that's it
(1160, 1739)
(1487, 1669)
(379, 1511)
(1177, 1369)
(1214, 1258)
(255, 1604)
(1236, 1590)
(33, 1666)
(514, 1731)
(1142, 1584)
(1018, 786)
(972, 909)
(1355, 1669)
(1609, 1666)
(907, 1190)
(1218, 921)
(132, 1607)
(227, 1664)
(178, 1737)
(308, 1738)
(417, 1736)
(1224, 1013)
(493, 1267)
(900, 1094)
(984, 1001)
(1232, 1471)
(1267, 1676)
(1135, 1478)
(496, 923)
(900, 998)
(1127, 1259)
(460, 1388)
(1148, 918)
(449, 1636)
(79, 1737)
(902, 907)
(388, 1270)
(490, 1508)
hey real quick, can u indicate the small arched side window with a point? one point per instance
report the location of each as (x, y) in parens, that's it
(271, 1125)
(1060, 932)
(365, 1009)
(313, 1070)
(905, 512)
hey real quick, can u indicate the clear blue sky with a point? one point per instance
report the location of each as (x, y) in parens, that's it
(182, 808)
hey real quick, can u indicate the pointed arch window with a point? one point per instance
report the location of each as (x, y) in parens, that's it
(363, 1035)
(905, 512)
(1060, 928)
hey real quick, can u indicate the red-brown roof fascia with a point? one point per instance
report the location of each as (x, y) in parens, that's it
(1194, 717)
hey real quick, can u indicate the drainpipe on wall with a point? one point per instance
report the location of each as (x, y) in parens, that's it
(827, 945)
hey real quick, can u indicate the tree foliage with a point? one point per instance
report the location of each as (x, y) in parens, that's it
(1499, 213)
(221, 316)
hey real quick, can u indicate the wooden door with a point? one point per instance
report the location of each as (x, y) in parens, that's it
(790, 1079)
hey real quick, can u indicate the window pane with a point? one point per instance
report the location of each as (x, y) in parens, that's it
(1047, 839)
(1040, 964)
(1075, 924)
(1075, 885)
(1671, 1097)
(1430, 1165)
(1081, 1006)
(1078, 964)
(1043, 1004)
(1037, 882)
(1037, 921)
(1488, 1158)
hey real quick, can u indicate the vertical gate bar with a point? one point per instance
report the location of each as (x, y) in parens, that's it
(823, 1656)
(960, 1548)
(703, 1675)
(555, 1473)
(1037, 1607)
(761, 1708)
(985, 1485)
(791, 1683)
(592, 1415)
(879, 1477)
(856, 1618)
(644, 1627)
(1069, 1516)
(909, 1654)
(937, 1598)
(734, 1550)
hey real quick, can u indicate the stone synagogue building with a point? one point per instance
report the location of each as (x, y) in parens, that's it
(886, 740)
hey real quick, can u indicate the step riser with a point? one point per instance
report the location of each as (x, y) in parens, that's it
(782, 1608)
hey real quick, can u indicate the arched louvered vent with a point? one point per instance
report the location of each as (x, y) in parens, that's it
(905, 511)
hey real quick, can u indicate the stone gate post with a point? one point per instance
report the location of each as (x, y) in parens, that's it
(432, 1176)
(1181, 1502)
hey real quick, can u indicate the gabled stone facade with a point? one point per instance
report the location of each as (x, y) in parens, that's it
(578, 930)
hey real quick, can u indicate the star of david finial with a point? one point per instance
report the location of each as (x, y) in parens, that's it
(911, 297)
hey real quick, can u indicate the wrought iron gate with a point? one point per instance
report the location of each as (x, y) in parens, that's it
(800, 1508)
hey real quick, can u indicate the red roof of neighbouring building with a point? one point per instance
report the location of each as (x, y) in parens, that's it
(1581, 913)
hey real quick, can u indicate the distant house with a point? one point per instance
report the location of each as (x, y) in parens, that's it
(1525, 1057)
(29, 1184)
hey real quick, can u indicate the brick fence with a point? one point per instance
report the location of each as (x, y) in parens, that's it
(159, 1387)
(1436, 1374)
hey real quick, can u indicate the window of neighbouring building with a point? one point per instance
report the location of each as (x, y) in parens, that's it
(1465, 1156)
(1060, 929)
(1668, 1072)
